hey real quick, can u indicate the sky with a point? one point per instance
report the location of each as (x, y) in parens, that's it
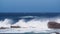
(29, 6)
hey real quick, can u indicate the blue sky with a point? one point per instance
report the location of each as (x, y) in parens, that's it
(30, 6)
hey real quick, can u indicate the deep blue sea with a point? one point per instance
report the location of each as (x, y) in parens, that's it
(28, 20)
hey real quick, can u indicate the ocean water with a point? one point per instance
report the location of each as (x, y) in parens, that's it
(30, 23)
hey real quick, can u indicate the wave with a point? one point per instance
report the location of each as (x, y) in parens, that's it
(28, 17)
(34, 25)
(6, 23)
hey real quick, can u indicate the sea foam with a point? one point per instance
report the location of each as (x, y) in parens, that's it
(34, 25)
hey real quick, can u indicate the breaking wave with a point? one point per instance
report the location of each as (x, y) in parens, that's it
(33, 25)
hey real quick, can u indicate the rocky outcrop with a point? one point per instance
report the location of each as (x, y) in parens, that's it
(15, 26)
(54, 25)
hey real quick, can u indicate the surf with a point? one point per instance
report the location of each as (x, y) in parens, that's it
(36, 25)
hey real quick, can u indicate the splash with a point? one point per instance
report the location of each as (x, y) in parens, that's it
(6, 23)
(34, 25)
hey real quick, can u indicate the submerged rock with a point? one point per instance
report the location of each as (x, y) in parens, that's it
(15, 26)
(3, 27)
(54, 25)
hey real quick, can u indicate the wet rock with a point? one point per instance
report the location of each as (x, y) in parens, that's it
(15, 26)
(3, 27)
(54, 25)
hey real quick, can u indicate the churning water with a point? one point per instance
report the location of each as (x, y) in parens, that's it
(29, 22)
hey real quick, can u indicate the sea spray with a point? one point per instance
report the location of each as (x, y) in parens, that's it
(6, 23)
(34, 25)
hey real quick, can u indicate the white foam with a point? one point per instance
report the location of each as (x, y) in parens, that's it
(28, 17)
(33, 25)
(5, 23)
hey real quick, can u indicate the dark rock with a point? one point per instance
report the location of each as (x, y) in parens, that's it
(57, 33)
(3, 27)
(15, 26)
(54, 25)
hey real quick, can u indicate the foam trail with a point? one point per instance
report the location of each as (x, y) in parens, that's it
(28, 17)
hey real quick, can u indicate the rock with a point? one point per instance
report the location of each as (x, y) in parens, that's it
(3, 27)
(54, 25)
(15, 26)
